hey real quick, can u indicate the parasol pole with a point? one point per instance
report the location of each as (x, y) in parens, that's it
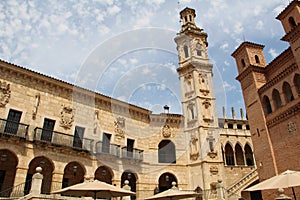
(95, 195)
(294, 193)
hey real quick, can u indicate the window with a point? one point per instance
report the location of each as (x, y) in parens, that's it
(297, 83)
(267, 105)
(249, 155)
(106, 143)
(239, 155)
(292, 22)
(276, 98)
(287, 92)
(166, 152)
(229, 156)
(130, 144)
(186, 51)
(257, 59)
(243, 63)
(78, 137)
(12, 123)
(47, 131)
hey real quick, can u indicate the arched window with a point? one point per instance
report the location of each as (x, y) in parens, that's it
(267, 105)
(186, 51)
(256, 59)
(243, 63)
(165, 181)
(249, 155)
(166, 152)
(297, 83)
(276, 98)
(292, 22)
(287, 92)
(229, 155)
(239, 155)
(104, 174)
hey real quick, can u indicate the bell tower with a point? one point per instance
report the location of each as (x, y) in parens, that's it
(198, 100)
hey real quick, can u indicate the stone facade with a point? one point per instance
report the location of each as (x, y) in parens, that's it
(271, 93)
(75, 134)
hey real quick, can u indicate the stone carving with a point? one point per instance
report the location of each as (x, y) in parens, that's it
(206, 110)
(188, 84)
(214, 170)
(66, 117)
(203, 84)
(194, 152)
(291, 127)
(4, 93)
(119, 127)
(166, 131)
(36, 105)
(96, 122)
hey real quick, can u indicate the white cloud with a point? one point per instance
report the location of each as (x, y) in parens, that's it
(224, 46)
(228, 87)
(238, 28)
(113, 10)
(133, 60)
(273, 53)
(259, 25)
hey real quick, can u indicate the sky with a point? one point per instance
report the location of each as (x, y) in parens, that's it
(125, 49)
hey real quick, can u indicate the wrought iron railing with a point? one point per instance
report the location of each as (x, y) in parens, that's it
(61, 139)
(16, 191)
(104, 148)
(136, 154)
(11, 128)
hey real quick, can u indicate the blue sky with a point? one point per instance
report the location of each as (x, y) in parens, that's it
(125, 48)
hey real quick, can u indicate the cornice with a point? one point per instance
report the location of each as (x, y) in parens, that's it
(82, 93)
(251, 68)
(293, 35)
(284, 115)
(287, 9)
(278, 78)
(246, 44)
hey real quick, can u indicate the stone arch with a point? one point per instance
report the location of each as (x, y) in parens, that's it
(229, 154)
(239, 154)
(8, 168)
(165, 181)
(292, 22)
(166, 152)
(249, 155)
(287, 91)
(104, 174)
(297, 83)
(266, 104)
(132, 179)
(276, 98)
(47, 171)
(73, 173)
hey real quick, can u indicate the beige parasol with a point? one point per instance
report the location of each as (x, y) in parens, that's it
(287, 179)
(173, 194)
(96, 189)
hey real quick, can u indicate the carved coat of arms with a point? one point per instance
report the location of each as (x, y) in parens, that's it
(166, 131)
(4, 93)
(66, 117)
(119, 127)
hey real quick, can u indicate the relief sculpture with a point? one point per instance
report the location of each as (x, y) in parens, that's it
(66, 117)
(4, 93)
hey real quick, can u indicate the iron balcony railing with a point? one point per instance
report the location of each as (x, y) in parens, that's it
(106, 148)
(62, 139)
(131, 153)
(11, 128)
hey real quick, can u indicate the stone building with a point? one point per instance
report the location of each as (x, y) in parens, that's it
(75, 134)
(271, 94)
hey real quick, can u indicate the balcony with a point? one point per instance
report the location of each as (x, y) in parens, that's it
(135, 154)
(106, 148)
(61, 139)
(15, 129)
